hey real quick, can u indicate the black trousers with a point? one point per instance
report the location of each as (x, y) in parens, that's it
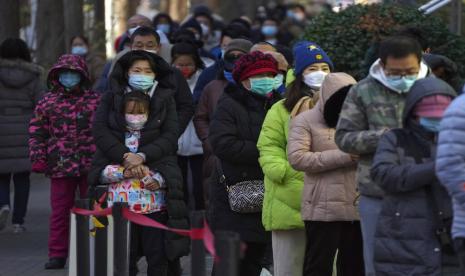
(324, 239)
(21, 196)
(193, 163)
(150, 243)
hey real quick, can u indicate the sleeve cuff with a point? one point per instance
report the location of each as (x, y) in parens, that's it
(157, 177)
(141, 154)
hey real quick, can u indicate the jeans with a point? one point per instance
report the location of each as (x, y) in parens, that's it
(21, 183)
(370, 209)
(324, 239)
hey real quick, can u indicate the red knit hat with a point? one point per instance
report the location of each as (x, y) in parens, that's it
(253, 64)
(432, 106)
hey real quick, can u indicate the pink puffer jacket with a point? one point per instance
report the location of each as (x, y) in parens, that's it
(329, 186)
(61, 142)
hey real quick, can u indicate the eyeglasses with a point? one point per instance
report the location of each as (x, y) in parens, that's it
(400, 73)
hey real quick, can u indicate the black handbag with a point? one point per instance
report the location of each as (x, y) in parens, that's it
(245, 196)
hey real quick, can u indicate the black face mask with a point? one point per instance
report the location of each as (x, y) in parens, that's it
(333, 106)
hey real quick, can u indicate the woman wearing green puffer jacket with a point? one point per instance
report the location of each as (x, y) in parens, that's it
(283, 185)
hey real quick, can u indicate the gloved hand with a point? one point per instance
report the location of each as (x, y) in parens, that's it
(39, 167)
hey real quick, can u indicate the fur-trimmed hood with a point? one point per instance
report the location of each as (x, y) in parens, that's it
(17, 73)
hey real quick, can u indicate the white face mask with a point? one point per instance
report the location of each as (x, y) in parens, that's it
(315, 79)
(132, 30)
(152, 51)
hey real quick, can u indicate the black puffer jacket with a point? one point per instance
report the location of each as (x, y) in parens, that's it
(233, 134)
(405, 241)
(21, 87)
(158, 142)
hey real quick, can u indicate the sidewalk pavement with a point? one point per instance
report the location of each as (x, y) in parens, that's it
(26, 253)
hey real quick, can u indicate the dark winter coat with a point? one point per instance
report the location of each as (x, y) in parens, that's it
(182, 94)
(405, 240)
(60, 131)
(208, 75)
(21, 87)
(203, 116)
(158, 142)
(233, 135)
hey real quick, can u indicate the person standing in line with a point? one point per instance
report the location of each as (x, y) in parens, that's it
(95, 63)
(186, 59)
(412, 229)
(283, 185)
(233, 135)
(20, 90)
(372, 107)
(208, 102)
(332, 223)
(61, 145)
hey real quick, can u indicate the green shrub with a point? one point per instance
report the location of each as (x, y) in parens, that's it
(347, 35)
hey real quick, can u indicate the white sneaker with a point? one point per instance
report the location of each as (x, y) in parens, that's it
(4, 213)
(18, 228)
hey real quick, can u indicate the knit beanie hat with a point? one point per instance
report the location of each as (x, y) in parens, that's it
(307, 53)
(238, 44)
(432, 106)
(252, 64)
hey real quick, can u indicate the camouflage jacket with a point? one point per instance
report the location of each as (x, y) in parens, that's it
(369, 110)
(61, 129)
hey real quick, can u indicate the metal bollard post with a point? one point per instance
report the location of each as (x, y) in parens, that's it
(100, 258)
(198, 267)
(82, 239)
(227, 245)
(121, 246)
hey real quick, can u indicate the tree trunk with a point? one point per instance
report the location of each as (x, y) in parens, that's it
(9, 19)
(50, 30)
(123, 10)
(98, 31)
(74, 20)
(178, 9)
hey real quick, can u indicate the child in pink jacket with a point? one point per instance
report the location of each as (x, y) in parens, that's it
(61, 145)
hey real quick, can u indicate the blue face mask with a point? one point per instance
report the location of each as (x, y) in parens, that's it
(79, 50)
(403, 84)
(141, 81)
(279, 79)
(229, 76)
(164, 28)
(269, 30)
(69, 79)
(431, 124)
(262, 86)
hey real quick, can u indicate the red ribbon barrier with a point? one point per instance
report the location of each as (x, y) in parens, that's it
(204, 233)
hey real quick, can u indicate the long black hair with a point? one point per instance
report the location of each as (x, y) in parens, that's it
(295, 92)
(15, 48)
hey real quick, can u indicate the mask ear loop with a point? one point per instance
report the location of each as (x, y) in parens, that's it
(154, 86)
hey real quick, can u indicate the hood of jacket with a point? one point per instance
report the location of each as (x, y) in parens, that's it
(119, 80)
(16, 73)
(68, 62)
(421, 89)
(377, 72)
(332, 84)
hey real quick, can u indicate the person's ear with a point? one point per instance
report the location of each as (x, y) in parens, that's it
(246, 84)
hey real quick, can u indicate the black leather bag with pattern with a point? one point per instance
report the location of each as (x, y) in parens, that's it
(245, 196)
